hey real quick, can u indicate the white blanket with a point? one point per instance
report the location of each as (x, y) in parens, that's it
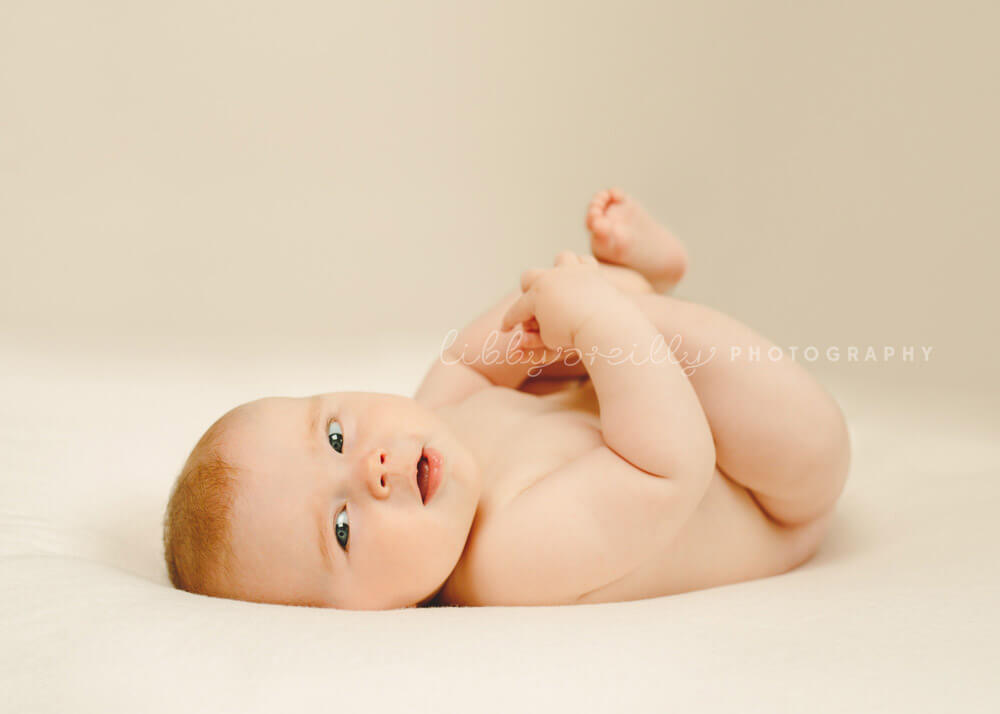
(896, 613)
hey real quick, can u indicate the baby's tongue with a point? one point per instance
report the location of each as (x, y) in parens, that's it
(423, 473)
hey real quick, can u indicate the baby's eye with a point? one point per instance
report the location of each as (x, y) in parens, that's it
(336, 435)
(342, 528)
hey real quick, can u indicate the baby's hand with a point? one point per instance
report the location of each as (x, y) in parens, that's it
(557, 302)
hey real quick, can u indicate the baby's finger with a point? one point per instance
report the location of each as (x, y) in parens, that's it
(588, 260)
(522, 309)
(527, 340)
(528, 278)
(567, 257)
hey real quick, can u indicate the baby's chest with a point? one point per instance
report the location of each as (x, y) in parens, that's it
(528, 438)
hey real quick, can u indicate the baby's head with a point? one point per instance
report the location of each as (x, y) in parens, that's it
(349, 499)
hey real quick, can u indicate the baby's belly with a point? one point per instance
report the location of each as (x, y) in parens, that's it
(727, 540)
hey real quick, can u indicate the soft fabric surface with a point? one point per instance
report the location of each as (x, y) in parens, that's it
(897, 612)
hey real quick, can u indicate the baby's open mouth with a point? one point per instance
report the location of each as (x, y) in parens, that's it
(423, 475)
(428, 474)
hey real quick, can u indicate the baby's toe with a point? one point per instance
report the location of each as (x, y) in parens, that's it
(596, 208)
(608, 242)
(600, 200)
(566, 257)
(601, 228)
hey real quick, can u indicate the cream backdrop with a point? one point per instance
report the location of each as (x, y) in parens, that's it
(326, 168)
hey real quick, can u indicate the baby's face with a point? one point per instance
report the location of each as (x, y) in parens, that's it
(328, 507)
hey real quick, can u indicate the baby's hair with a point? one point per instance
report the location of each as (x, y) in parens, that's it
(196, 527)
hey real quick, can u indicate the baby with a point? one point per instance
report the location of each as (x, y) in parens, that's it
(589, 439)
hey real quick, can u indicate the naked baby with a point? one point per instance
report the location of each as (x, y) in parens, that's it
(560, 451)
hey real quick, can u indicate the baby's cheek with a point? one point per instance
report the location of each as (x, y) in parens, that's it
(395, 581)
(415, 549)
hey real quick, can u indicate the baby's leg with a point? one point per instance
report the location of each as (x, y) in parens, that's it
(776, 431)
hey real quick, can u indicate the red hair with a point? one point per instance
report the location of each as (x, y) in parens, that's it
(196, 527)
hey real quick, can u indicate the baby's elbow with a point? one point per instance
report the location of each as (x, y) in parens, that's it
(692, 466)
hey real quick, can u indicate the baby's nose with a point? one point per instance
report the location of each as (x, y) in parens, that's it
(374, 471)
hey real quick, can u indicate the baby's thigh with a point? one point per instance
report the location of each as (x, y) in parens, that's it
(626, 280)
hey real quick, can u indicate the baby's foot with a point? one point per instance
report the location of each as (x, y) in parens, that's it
(623, 233)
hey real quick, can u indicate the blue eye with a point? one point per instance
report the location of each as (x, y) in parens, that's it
(336, 436)
(342, 528)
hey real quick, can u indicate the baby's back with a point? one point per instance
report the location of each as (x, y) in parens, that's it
(520, 439)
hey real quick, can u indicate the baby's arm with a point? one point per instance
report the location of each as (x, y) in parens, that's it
(650, 413)
(476, 358)
(599, 517)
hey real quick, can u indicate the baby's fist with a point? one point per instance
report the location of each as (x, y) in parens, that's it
(560, 300)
